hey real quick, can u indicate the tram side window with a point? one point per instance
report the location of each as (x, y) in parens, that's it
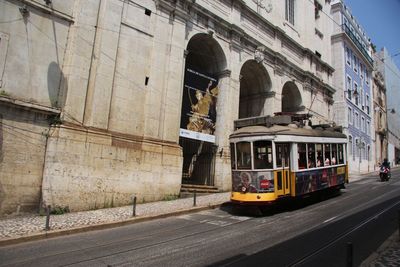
(320, 159)
(233, 158)
(334, 154)
(340, 154)
(302, 155)
(311, 155)
(262, 154)
(243, 153)
(282, 154)
(327, 154)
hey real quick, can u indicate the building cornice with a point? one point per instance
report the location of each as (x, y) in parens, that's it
(48, 9)
(342, 36)
(237, 35)
(22, 104)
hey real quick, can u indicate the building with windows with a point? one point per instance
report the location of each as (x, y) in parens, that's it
(353, 65)
(103, 100)
(380, 116)
(391, 75)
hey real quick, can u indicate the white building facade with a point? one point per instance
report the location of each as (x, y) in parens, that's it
(103, 100)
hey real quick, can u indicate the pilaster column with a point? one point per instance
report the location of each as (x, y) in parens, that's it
(102, 67)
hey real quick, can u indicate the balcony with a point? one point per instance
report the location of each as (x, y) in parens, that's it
(347, 30)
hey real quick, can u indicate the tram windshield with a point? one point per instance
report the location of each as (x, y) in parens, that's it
(243, 153)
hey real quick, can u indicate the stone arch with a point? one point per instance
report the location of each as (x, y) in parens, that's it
(291, 98)
(255, 86)
(205, 61)
(206, 54)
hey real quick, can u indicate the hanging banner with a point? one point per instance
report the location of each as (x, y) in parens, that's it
(199, 103)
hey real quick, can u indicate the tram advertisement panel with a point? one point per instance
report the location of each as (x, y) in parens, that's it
(252, 182)
(313, 180)
(198, 114)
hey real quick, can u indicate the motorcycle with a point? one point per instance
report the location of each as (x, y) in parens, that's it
(384, 173)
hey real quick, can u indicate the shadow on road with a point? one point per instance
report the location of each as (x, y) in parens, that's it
(283, 205)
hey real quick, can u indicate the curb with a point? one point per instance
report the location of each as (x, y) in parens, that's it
(82, 229)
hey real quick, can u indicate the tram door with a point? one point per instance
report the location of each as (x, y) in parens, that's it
(282, 178)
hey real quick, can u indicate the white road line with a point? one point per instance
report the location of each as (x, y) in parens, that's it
(330, 219)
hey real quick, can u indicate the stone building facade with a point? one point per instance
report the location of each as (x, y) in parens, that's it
(105, 99)
(352, 60)
(380, 116)
(391, 74)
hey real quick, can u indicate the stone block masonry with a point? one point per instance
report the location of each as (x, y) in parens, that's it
(90, 169)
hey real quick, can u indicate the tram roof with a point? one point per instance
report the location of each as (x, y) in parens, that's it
(286, 130)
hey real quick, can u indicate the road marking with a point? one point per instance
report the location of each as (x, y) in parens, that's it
(331, 219)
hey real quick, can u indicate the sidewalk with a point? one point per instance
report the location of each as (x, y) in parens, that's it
(27, 227)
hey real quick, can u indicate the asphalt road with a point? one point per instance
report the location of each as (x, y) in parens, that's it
(311, 233)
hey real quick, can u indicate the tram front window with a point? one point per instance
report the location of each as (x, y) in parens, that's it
(243, 155)
(262, 154)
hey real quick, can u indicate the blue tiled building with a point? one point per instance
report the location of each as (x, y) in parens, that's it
(351, 56)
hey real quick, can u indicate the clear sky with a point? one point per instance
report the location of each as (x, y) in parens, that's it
(381, 21)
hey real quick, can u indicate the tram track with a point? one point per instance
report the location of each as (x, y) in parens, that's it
(353, 229)
(104, 246)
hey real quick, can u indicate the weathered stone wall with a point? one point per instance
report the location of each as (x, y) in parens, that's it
(22, 147)
(89, 169)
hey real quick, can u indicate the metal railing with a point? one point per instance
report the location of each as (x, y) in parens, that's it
(351, 35)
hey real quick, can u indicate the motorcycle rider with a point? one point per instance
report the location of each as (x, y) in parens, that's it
(385, 170)
(385, 164)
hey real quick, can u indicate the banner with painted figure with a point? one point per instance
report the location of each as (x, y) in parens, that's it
(199, 113)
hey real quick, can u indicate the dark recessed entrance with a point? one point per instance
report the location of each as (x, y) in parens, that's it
(255, 88)
(204, 61)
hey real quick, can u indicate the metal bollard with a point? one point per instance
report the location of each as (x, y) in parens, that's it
(194, 198)
(47, 227)
(134, 207)
(398, 218)
(349, 254)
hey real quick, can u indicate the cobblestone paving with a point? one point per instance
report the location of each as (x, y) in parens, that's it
(388, 255)
(28, 224)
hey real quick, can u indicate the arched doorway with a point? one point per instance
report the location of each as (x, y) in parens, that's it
(255, 84)
(291, 98)
(205, 60)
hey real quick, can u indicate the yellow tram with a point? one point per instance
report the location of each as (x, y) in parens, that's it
(284, 160)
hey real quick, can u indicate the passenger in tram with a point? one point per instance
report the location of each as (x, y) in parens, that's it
(311, 163)
(327, 162)
(333, 161)
(319, 160)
